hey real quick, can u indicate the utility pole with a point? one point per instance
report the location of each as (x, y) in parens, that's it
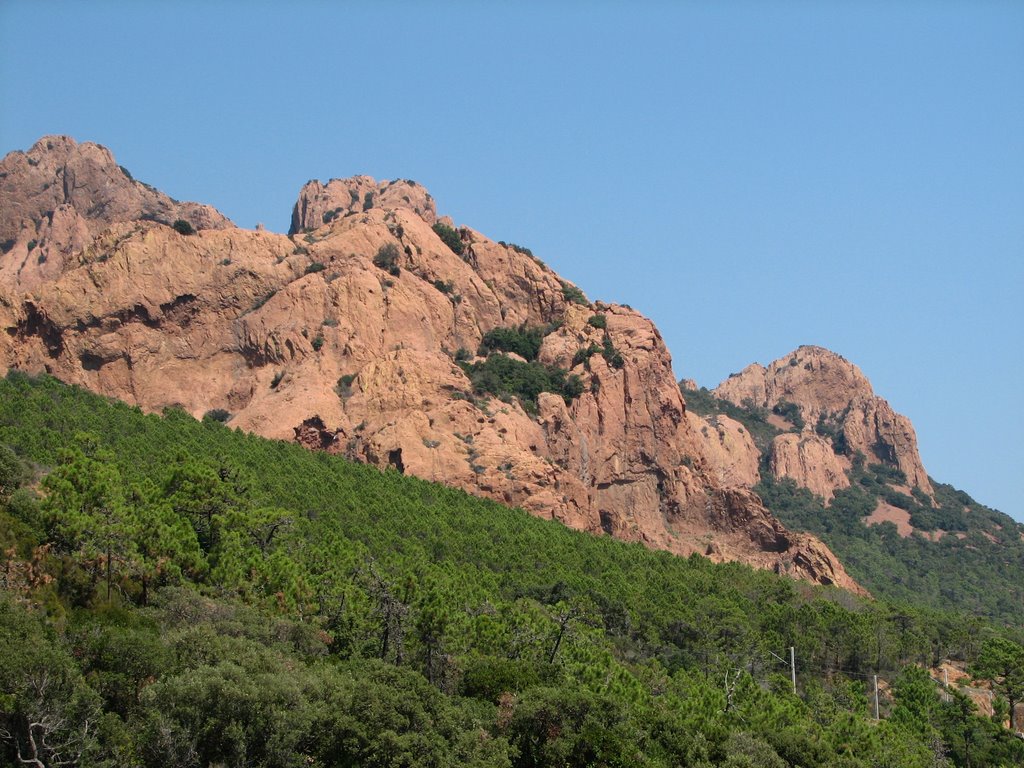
(876, 697)
(792, 665)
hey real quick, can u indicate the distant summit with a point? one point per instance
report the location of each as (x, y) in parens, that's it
(828, 456)
(833, 408)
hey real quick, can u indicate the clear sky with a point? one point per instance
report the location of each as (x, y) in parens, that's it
(753, 176)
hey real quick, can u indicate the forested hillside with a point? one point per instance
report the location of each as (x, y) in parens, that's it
(954, 553)
(180, 594)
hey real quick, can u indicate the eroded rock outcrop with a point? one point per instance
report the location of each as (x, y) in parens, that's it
(345, 338)
(834, 398)
(810, 461)
(320, 203)
(728, 448)
(60, 194)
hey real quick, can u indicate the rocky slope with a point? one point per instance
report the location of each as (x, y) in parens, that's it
(836, 415)
(344, 336)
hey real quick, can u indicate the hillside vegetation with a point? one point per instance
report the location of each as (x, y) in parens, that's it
(181, 594)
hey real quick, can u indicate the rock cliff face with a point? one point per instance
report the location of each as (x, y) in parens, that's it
(833, 398)
(728, 448)
(60, 194)
(811, 461)
(344, 338)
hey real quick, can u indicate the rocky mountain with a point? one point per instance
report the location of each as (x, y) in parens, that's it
(821, 416)
(828, 456)
(836, 413)
(362, 333)
(60, 195)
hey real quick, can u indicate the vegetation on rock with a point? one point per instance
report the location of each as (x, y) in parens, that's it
(450, 237)
(182, 227)
(386, 258)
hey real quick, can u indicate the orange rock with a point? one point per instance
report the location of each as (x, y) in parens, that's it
(825, 385)
(729, 449)
(810, 461)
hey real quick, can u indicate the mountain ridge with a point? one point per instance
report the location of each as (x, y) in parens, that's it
(357, 337)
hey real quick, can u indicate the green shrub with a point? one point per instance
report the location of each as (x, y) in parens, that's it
(791, 412)
(572, 388)
(316, 266)
(368, 201)
(598, 321)
(344, 386)
(518, 249)
(832, 428)
(217, 414)
(462, 355)
(888, 474)
(450, 238)
(574, 295)
(611, 354)
(182, 227)
(523, 341)
(505, 377)
(444, 286)
(31, 245)
(317, 343)
(584, 354)
(387, 259)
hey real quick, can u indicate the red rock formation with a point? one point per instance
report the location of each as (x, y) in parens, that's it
(60, 194)
(826, 386)
(728, 448)
(320, 203)
(315, 338)
(810, 461)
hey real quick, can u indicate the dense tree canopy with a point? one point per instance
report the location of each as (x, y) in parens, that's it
(187, 595)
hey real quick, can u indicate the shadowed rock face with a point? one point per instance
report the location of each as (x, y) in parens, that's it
(829, 388)
(305, 338)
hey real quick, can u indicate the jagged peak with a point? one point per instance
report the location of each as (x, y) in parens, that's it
(60, 195)
(58, 171)
(319, 203)
(829, 394)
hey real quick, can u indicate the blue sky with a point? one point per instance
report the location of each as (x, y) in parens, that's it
(753, 176)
